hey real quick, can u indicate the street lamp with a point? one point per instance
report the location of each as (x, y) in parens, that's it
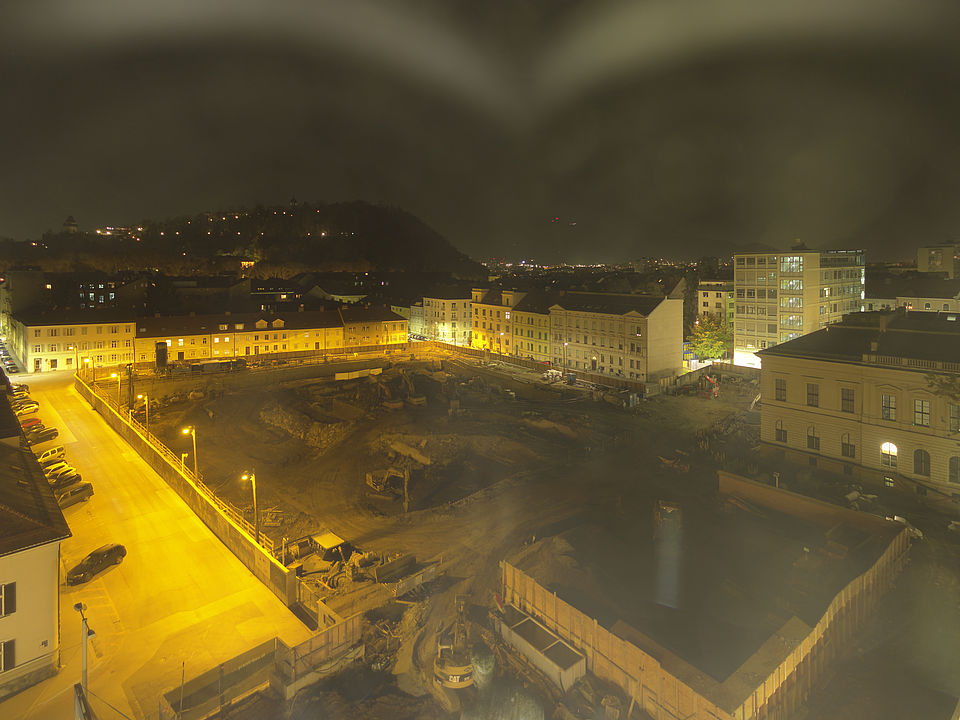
(501, 343)
(118, 377)
(565, 356)
(89, 364)
(85, 632)
(146, 410)
(76, 357)
(183, 456)
(252, 477)
(192, 432)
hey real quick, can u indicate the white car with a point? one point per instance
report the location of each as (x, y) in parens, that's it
(52, 468)
(52, 453)
(27, 408)
(60, 472)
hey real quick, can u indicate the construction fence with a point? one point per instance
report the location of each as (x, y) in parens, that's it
(610, 381)
(272, 662)
(775, 693)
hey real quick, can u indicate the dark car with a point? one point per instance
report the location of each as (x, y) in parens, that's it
(32, 424)
(80, 492)
(95, 562)
(65, 481)
(20, 387)
(45, 435)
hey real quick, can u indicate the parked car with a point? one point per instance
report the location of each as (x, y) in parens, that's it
(81, 492)
(17, 402)
(50, 455)
(12, 369)
(95, 562)
(65, 481)
(20, 387)
(31, 423)
(27, 408)
(16, 396)
(45, 435)
(55, 471)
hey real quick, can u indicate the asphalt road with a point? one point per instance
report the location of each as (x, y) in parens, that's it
(179, 597)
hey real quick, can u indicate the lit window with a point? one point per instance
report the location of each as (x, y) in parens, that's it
(888, 455)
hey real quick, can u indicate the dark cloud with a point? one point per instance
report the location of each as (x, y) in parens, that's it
(655, 127)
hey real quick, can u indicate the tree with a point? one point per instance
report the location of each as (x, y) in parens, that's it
(712, 337)
(947, 386)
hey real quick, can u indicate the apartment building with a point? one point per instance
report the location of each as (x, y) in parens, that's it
(638, 337)
(782, 296)
(31, 530)
(366, 326)
(492, 327)
(530, 322)
(228, 335)
(939, 259)
(860, 397)
(716, 298)
(44, 340)
(447, 316)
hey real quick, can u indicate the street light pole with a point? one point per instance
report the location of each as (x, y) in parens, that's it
(85, 632)
(192, 431)
(565, 356)
(182, 458)
(146, 410)
(118, 377)
(252, 477)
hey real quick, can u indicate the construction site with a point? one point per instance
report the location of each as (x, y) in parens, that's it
(447, 502)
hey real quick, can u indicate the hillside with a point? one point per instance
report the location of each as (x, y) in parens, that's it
(350, 236)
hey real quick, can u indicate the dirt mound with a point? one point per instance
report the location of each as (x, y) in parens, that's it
(321, 435)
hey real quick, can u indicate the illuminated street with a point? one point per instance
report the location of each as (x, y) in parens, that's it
(179, 596)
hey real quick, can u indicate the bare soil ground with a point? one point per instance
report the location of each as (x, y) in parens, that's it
(519, 461)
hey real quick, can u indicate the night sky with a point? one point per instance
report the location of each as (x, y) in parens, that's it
(646, 127)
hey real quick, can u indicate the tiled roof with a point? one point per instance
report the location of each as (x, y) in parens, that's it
(29, 514)
(909, 335)
(354, 314)
(32, 317)
(609, 303)
(168, 325)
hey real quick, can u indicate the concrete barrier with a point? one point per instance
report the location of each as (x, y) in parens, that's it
(231, 531)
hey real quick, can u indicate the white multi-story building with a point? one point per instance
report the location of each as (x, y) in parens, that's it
(446, 317)
(31, 530)
(60, 340)
(780, 296)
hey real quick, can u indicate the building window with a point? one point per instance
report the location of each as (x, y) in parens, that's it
(954, 475)
(888, 455)
(847, 448)
(954, 417)
(8, 599)
(813, 440)
(888, 407)
(780, 434)
(780, 389)
(921, 462)
(846, 400)
(813, 395)
(921, 413)
(7, 656)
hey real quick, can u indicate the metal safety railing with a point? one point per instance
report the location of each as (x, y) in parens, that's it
(228, 509)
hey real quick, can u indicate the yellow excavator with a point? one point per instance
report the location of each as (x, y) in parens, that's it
(453, 667)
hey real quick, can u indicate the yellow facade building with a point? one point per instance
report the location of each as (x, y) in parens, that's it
(246, 335)
(861, 398)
